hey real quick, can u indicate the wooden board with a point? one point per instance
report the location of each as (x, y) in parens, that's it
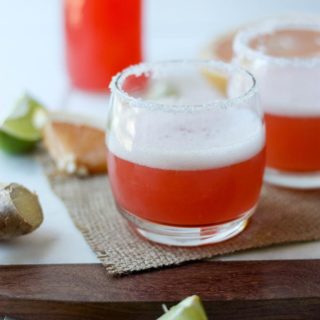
(230, 290)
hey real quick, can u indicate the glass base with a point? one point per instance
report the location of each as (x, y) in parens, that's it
(303, 180)
(187, 236)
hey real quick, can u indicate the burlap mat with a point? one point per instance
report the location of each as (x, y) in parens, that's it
(283, 216)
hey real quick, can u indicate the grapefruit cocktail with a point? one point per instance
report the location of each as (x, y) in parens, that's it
(284, 56)
(185, 163)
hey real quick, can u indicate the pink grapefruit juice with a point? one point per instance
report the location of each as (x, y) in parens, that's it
(187, 197)
(102, 38)
(293, 142)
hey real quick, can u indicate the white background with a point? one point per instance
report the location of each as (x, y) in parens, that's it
(32, 59)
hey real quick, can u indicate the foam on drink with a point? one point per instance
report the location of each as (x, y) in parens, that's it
(191, 141)
(289, 91)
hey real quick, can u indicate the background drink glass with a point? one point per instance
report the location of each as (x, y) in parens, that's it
(102, 38)
(284, 56)
(185, 161)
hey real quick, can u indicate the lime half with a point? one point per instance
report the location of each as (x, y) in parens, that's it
(188, 309)
(18, 133)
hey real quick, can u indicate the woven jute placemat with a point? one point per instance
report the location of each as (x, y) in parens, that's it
(282, 216)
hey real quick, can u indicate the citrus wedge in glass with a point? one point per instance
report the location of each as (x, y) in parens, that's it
(219, 49)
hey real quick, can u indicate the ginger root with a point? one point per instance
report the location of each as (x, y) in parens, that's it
(20, 211)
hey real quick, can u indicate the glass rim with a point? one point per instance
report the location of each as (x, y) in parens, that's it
(242, 38)
(138, 69)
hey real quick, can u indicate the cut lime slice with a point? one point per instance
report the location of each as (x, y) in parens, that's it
(20, 123)
(188, 309)
(18, 133)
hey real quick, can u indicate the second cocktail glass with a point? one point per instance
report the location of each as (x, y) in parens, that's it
(284, 56)
(185, 161)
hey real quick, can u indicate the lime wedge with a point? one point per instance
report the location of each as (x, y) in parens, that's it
(188, 309)
(18, 133)
(11, 144)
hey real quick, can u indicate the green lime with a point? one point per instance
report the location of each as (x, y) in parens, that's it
(18, 133)
(188, 309)
(11, 144)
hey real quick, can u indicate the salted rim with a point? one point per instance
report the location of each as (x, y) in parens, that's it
(243, 37)
(138, 69)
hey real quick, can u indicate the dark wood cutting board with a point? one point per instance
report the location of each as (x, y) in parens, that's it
(230, 290)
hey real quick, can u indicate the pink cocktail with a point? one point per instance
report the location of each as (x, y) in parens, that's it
(185, 163)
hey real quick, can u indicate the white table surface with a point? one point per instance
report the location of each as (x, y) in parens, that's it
(31, 58)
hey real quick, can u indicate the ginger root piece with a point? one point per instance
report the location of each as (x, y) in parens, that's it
(76, 144)
(20, 211)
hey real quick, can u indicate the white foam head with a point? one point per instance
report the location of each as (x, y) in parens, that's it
(289, 91)
(215, 138)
